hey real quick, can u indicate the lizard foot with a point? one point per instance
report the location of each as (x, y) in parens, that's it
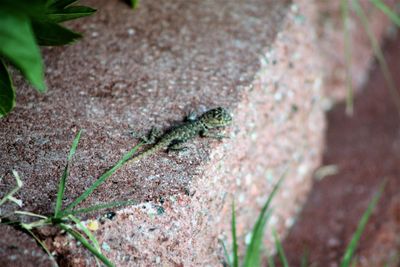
(152, 137)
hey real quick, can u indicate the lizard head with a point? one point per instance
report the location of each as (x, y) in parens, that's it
(217, 117)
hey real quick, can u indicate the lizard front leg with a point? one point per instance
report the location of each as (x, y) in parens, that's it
(152, 137)
(206, 133)
(192, 116)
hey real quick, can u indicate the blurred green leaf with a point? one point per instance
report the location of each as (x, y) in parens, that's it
(388, 11)
(352, 246)
(234, 238)
(25, 24)
(69, 13)
(32, 8)
(19, 47)
(50, 33)
(7, 92)
(134, 3)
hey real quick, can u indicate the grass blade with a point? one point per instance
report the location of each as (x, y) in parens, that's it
(9, 195)
(42, 244)
(227, 257)
(134, 4)
(61, 186)
(60, 192)
(86, 244)
(74, 145)
(304, 259)
(103, 177)
(252, 257)
(253, 252)
(234, 238)
(280, 250)
(31, 214)
(86, 231)
(378, 54)
(388, 11)
(97, 207)
(348, 255)
(344, 5)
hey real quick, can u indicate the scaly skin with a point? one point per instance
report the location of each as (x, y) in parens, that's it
(212, 119)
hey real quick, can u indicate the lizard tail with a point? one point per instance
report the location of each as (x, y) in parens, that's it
(145, 153)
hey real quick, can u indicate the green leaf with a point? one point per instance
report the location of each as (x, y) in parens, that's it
(61, 186)
(31, 8)
(50, 33)
(351, 248)
(7, 91)
(69, 13)
(19, 47)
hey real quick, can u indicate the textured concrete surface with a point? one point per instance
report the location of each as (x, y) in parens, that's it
(366, 151)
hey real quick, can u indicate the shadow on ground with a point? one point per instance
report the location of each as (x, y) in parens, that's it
(366, 149)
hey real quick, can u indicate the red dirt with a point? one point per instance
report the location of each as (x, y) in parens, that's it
(366, 149)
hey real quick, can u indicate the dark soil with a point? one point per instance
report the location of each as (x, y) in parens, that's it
(366, 149)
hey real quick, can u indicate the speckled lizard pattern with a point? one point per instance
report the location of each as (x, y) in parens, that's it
(175, 138)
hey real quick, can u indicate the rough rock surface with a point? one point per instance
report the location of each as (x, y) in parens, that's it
(150, 67)
(18, 249)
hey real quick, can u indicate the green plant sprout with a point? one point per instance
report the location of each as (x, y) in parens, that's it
(254, 251)
(26, 24)
(64, 218)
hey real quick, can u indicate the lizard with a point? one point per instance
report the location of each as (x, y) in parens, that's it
(176, 137)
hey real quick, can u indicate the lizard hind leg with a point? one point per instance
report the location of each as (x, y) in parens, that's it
(152, 137)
